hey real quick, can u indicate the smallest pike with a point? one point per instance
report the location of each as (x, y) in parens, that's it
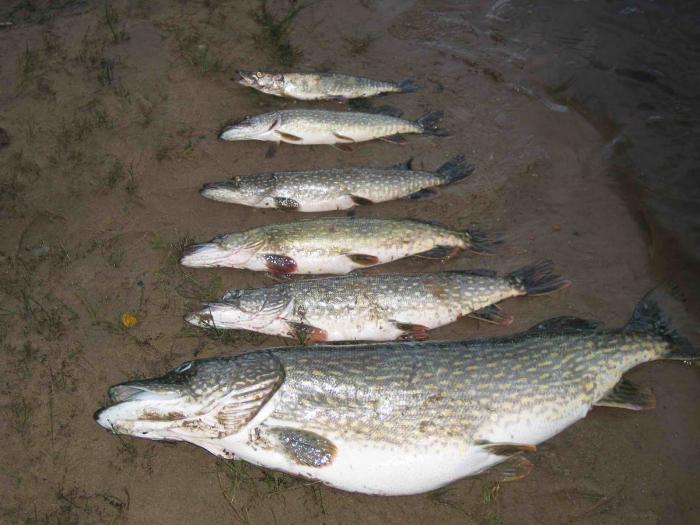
(335, 189)
(321, 86)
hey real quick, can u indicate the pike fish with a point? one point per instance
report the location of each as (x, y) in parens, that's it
(331, 245)
(398, 418)
(375, 307)
(321, 86)
(338, 128)
(335, 189)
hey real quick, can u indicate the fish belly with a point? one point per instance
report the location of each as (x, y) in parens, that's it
(359, 329)
(341, 202)
(379, 469)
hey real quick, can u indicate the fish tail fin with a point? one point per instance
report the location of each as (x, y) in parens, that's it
(455, 170)
(537, 278)
(429, 124)
(649, 317)
(479, 242)
(408, 86)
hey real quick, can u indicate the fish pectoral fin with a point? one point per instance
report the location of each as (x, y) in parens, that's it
(308, 334)
(288, 137)
(303, 447)
(343, 138)
(439, 252)
(626, 394)
(363, 259)
(395, 139)
(412, 331)
(492, 314)
(512, 469)
(360, 201)
(342, 147)
(506, 449)
(566, 325)
(285, 203)
(239, 407)
(279, 263)
(425, 193)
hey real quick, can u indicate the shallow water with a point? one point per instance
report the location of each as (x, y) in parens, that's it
(580, 118)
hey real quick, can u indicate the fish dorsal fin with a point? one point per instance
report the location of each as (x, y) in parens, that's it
(389, 111)
(303, 447)
(258, 378)
(566, 325)
(407, 165)
(479, 272)
(626, 394)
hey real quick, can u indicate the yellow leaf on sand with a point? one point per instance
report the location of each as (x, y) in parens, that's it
(129, 320)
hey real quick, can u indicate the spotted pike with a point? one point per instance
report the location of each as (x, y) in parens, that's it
(398, 418)
(339, 128)
(335, 189)
(321, 86)
(331, 245)
(375, 307)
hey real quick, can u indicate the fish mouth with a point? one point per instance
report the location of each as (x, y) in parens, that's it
(202, 318)
(204, 255)
(215, 190)
(247, 78)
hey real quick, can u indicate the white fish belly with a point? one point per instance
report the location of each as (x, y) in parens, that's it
(358, 329)
(342, 202)
(382, 470)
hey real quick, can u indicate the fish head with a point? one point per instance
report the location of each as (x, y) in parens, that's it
(240, 309)
(270, 83)
(248, 191)
(198, 399)
(250, 128)
(228, 251)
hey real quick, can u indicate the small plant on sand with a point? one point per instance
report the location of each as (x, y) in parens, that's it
(195, 49)
(276, 30)
(110, 19)
(359, 44)
(30, 67)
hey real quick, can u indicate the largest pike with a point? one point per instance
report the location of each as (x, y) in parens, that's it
(332, 245)
(397, 418)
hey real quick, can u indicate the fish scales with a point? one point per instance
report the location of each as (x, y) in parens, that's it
(424, 392)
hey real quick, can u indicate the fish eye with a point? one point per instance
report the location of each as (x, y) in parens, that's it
(259, 74)
(183, 367)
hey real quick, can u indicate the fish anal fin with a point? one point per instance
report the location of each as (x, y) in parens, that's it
(412, 331)
(395, 139)
(279, 263)
(425, 193)
(492, 314)
(342, 147)
(308, 334)
(288, 137)
(285, 203)
(303, 447)
(566, 325)
(361, 201)
(513, 469)
(363, 259)
(343, 138)
(439, 252)
(506, 449)
(626, 394)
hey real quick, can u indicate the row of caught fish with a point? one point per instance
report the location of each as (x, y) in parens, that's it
(380, 418)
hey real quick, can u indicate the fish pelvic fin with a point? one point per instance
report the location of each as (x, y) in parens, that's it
(454, 170)
(429, 124)
(537, 279)
(649, 318)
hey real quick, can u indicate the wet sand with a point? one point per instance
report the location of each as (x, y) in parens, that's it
(112, 119)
